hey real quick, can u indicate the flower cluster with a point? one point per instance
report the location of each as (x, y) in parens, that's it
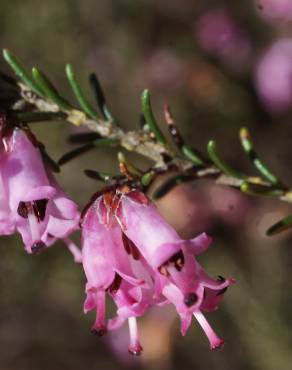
(31, 202)
(130, 253)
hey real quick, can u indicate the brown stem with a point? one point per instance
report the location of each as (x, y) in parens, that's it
(141, 142)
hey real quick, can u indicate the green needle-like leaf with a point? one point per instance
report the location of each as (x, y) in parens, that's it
(133, 170)
(192, 155)
(72, 154)
(83, 137)
(84, 103)
(96, 175)
(280, 226)
(85, 148)
(149, 117)
(249, 149)
(256, 189)
(220, 163)
(99, 96)
(21, 72)
(48, 89)
(29, 117)
(51, 163)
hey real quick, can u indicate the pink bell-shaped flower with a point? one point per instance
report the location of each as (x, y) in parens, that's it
(178, 276)
(40, 210)
(109, 270)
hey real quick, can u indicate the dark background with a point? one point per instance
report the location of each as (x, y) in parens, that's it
(132, 45)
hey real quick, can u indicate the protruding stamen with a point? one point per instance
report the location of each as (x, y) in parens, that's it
(135, 347)
(215, 341)
(34, 227)
(35, 213)
(99, 327)
(76, 252)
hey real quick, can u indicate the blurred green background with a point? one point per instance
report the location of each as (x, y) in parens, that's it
(134, 44)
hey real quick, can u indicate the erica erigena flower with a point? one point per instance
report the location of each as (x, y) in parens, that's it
(275, 11)
(109, 269)
(131, 253)
(273, 75)
(219, 34)
(34, 204)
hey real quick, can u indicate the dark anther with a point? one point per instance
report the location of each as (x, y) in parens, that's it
(221, 278)
(222, 291)
(135, 252)
(178, 260)
(190, 299)
(126, 243)
(130, 247)
(37, 247)
(100, 332)
(39, 209)
(22, 209)
(114, 287)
